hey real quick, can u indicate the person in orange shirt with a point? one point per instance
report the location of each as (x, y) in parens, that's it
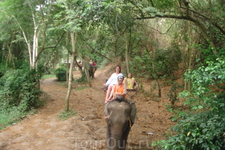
(119, 89)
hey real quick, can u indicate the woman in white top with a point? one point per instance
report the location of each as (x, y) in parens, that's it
(112, 81)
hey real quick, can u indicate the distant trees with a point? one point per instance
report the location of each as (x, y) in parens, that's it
(28, 25)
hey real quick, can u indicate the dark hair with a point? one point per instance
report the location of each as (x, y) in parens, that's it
(119, 68)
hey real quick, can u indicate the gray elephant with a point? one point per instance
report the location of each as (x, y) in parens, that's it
(120, 115)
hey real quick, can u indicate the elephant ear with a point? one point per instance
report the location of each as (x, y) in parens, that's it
(106, 110)
(133, 112)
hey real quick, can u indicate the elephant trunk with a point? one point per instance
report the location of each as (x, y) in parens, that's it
(117, 141)
(116, 144)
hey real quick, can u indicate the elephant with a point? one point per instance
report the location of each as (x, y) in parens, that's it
(92, 71)
(120, 116)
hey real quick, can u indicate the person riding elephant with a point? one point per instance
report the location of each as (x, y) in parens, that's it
(92, 69)
(118, 90)
(130, 82)
(120, 116)
(111, 82)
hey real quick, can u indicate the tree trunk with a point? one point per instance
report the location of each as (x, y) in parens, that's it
(127, 51)
(189, 50)
(10, 57)
(159, 87)
(73, 41)
(67, 67)
(35, 48)
(86, 69)
(127, 55)
(154, 73)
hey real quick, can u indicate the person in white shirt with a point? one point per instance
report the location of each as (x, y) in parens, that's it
(112, 81)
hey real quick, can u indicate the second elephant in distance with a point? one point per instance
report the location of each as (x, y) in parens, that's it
(92, 71)
(120, 116)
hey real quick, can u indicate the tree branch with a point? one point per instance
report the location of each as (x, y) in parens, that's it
(189, 18)
(93, 50)
(212, 22)
(201, 27)
(43, 48)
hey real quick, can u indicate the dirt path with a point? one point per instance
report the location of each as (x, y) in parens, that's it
(87, 130)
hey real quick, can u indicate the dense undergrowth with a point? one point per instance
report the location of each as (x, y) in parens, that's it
(202, 125)
(19, 95)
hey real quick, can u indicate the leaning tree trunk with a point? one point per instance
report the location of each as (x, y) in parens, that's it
(73, 41)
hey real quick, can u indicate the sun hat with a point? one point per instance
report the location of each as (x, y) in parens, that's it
(120, 77)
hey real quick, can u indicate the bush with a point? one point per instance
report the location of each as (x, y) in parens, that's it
(60, 74)
(198, 132)
(203, 126)
(83, 78)
(19, 88)
(2, 69)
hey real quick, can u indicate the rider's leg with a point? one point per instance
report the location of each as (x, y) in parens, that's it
(108, 92)
(132, 86)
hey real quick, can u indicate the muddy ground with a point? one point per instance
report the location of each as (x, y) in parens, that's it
(87, 130)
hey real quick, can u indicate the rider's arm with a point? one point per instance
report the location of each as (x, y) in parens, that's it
(125, 89)
(109, 80)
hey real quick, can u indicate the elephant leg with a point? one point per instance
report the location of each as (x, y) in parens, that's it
(124, 138)
(94, 69)
(133, 113)
(108, 135)
(91, 72)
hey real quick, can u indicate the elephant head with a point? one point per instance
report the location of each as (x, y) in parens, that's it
(120, 116)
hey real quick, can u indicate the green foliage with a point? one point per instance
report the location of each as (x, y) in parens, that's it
(203, 127)
(12, 116)
(202, 131)
(207, 81)
(60, 74)
(48, 76)
(19, 95)
(6, 118)
(2, 69)
(81, 88)
(66, 114)
(165, 4)
(83, 78)
(19, 89)
(173, 93)
(157, 64)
